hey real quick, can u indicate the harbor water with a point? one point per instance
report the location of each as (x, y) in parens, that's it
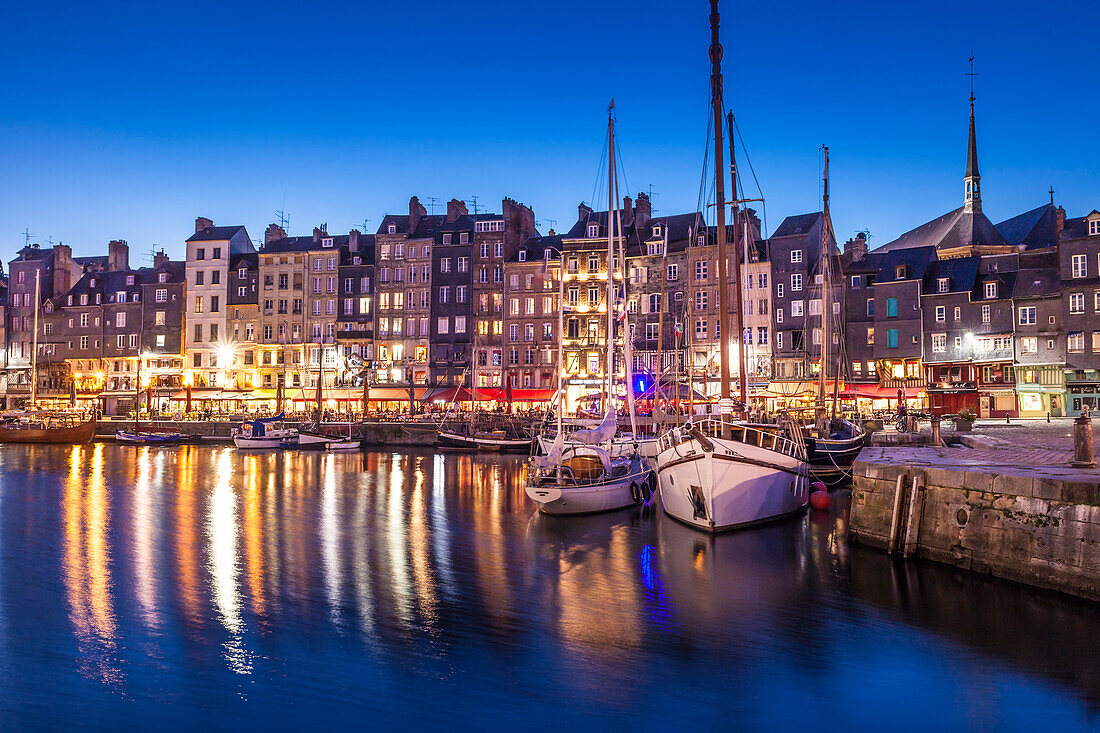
(202, 588)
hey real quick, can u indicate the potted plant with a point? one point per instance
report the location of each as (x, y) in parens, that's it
(964, 420)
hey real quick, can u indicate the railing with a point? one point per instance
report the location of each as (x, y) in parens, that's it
(777, 438)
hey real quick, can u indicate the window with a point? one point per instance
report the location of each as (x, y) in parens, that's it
(445, 264)
(673, 273)
(444, 325)
(943, 284)
(444, 294)
(463, 264)
(513, 331)
(1027, 315)
(593, 230)
(529, 332)
(857, 283)
(939, 343)
(761, 335)
(460, 294)
(900, 272)
(217, 253)
(870, 306)
(892, 338)
(214, 302)
(958, 313)
(701, 270)
(200, 276)
(778, 315)
(991, 290)
(891, 307)
(159, 318)
(700, 300)
(460, 324)
(796, 255)
(941, 314)
(200, 254)
(1094, 227)
(655, 303)
(120, 320)
(815, 307)
(651, 333)
(1078, 266)
(701, 329)
(198, 304)
(1096, 342)
(796, 281)
(1030, 345)
(1076, 303)
(161, 296)
(215, 277)
(796, 308)
(985, 314)
(1075, 342)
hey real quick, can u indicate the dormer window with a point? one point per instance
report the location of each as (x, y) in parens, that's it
(49, 306)
(657, 230)
(856, 282)
(391, 229)
(70, 302)
(447, 238)
(546, 254)
(990, 290)
(91, 283)
(120, 296)
(463, 237)
(356, 260)
(129, 279)
(523, 255)
(326, 242)
(593, 230)
(1094, 226)
(162, 277)
(901, 272)
(943, 284)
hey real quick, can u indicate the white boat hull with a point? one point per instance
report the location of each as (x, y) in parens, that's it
(343, 445)
(734, 485)
(587, 499)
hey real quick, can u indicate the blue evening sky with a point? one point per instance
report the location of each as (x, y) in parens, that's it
(129, 119)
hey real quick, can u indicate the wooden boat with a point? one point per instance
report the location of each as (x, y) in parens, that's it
(486, 441)
(344, 444)
(46, 427)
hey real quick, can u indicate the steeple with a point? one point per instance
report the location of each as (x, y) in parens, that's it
(973, 200)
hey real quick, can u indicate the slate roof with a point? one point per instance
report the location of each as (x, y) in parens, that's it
(34, 252)
(1033, 229)
(800, 224)
(961, 271)
(535, 248)
(1077, 228)
(1038, 283)
(954, 229)
(917, 258)
(304, 244)
(215, 234)
(249, 260)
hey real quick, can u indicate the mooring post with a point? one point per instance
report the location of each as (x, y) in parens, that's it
(1083, 456)
(912, 521)
(936, 438)
(895, 517)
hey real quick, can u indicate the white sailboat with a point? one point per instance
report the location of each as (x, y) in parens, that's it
(722, 474)
(580, 472)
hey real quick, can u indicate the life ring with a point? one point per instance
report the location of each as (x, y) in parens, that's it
(635, 492)
(176, 415)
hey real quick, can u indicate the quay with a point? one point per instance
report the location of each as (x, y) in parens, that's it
(1004, 501)
(374, 433)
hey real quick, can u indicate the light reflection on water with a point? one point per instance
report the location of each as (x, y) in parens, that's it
(209, 587)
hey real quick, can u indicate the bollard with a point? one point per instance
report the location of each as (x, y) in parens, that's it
(1082, 443)
(936, 439)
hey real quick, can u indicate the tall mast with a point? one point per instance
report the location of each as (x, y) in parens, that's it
(561, 335)
(34, 351)
(660, 370)
(823, 269)
(739, 296)
(611, 217)
(720, 196)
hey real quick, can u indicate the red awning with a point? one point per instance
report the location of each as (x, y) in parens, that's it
(875, 392)
(490, 394)
(449, 394)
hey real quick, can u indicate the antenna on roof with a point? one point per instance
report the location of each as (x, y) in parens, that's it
(432, 201)
(473, 203)
(284, 219)
(365, 220)
(652, 208)
(552, 222)
(27, 237)
(49, 240)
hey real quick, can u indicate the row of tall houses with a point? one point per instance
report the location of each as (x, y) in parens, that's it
(959, 313)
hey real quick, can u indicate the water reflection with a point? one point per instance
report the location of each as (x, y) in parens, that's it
(425, 582)
(86, 564)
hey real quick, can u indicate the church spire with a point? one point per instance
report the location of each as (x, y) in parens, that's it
(973, 201)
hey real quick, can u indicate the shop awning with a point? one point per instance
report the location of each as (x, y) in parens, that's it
(790, 389)
(393, 394)
(449, 394)
(210, 395)
(499, 394)
(338, 394)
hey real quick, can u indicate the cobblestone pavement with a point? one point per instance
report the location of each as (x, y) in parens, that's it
(1022, 447)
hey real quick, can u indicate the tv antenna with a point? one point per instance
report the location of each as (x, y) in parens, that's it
(651, 194)
(432, 201)
(364, 225)
(552, 222)
(473, 203)
(284, 219)
(27, 237)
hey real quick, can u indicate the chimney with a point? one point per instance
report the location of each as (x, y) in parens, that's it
(160, 258)
(643, 211)
(552, 233)
(274, 232)
(201, 222)
(1059, 223)
(118, 255)
(856, 248)
(317, 232)
(520, 220)
(455, 209)
(416, 213)
(353, 240)
(62, 269)
(628, 211)
(583, 211)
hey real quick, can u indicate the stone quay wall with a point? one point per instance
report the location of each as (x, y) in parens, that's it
(1022, 525)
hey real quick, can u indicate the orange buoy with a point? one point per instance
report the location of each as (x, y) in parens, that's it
(820, 500)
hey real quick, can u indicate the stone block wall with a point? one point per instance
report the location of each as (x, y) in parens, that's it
(1040, 531)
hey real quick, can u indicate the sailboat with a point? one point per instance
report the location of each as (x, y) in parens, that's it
(832, 442)
(471, 437)
(720, 474)
(583, 475)
(41, 426)
(316, 437)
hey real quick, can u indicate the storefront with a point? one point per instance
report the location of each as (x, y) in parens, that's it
(1037, 400)
(953, 398)
(997, 402)
(870, 398)
(1082, 389)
